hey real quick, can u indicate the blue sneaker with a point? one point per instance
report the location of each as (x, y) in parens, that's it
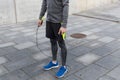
(50, 65)
(61, 72)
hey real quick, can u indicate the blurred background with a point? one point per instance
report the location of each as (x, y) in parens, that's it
(15, 11)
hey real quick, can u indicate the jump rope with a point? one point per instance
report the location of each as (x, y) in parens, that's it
(37, 44)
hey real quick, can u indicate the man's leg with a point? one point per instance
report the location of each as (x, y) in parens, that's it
(61, 42)
(63, 69)
(54, 49)
(63, 51)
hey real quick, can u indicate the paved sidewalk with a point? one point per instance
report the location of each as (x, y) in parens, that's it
(96, 57)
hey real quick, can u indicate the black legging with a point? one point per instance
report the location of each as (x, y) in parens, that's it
(54, 48)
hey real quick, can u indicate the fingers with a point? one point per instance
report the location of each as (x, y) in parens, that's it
(62, 30)
(40, 23)
(59, 32)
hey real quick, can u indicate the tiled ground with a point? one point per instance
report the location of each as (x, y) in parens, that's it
(96, 57)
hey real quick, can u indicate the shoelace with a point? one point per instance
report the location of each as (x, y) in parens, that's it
(61, 69)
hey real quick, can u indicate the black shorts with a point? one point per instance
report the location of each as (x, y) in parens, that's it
(52, 30)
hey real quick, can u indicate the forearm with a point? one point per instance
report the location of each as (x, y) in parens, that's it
(65, 13)
(43, 9)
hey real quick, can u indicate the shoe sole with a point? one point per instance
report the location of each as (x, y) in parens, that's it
(52, 67)
(62, 75)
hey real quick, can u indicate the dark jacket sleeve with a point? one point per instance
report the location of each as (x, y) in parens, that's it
(65, 12)
(43, 9)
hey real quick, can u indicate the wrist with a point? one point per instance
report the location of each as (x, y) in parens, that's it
(41, 18)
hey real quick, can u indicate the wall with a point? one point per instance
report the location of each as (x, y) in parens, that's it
(7, 14)
(14, 11)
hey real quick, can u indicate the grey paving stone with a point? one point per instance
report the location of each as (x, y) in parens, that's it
(76, 42)
(47, 53)
(15, 65)
(102, 51)
(110, 30)
(16, 75)
(109, 62)
(27, 30)
(87, 58)
(76, 30)
(43, 40)
(3, 60)
(69, 47)
(45, 46)
(3, 71)
(72, 77)
(32, 39)
(106, 39)
(29, 34)
(21, 39)
(10, 49)
(71, 40)
(116, 53)
(106, 78)
(24, 45)
(115, 73)
(17, 29)
(1, 32)
(3, 52)
(39, 56)
(114, 35)
(43, 76)
(18, 55)
(12, 37)
(80, 50)
(96, 71)
(7, 44)
(0, 41)
(114, 45)
(87, 32)
(73, 67)
(3, 38)
(75, 27)
(6, 39)
(70, 56)
(94, 44)
(92, 37)
(35, 69)
(11, 34)
(119, 40)
(96, 30)
(33, 49)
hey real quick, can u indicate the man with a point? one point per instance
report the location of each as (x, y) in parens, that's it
(57, 15)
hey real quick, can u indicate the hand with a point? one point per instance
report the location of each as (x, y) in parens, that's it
(62, 30)
(40, 22)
